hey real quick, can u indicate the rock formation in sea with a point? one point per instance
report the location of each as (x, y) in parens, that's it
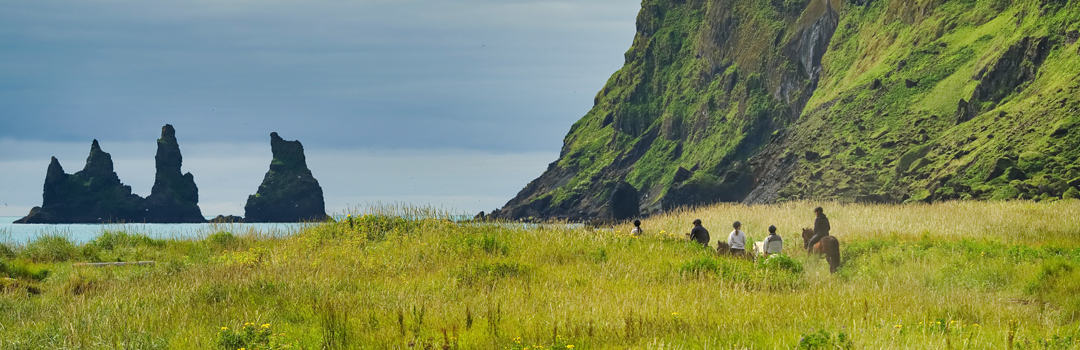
(174, 197)
(288, 193)
(96, 195)
(92, 195)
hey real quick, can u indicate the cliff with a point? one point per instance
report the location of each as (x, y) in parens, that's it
(96, 195)
(764, 101)
(288, 193)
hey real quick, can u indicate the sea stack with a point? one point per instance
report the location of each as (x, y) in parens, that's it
(288, 193)
(174, 197)
(96, 195)
(93, 195)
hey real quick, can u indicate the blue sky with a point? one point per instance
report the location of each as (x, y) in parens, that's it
(453, 104)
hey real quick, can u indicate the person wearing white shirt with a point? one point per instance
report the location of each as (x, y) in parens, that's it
(637, 228)
(773, 244)
(737, 240)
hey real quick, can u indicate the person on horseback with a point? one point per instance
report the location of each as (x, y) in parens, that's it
(821, 228)
(699, 233)
(773, 244)
(637, 228)
(737, 240)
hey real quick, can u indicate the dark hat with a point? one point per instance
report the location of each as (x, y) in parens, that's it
(736, 224)
(819, 210)
(697, 221)
(772, 229)
(637, 222)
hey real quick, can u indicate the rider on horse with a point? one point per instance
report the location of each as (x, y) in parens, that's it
(821, 228)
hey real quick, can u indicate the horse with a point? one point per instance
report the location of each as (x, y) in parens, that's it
(722, 248)
(828, 246)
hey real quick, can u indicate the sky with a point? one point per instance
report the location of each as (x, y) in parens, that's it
(455, 105)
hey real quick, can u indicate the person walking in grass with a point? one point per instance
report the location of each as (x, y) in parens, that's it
(699, 233)
(821, 228)
(636, 231)
(737, 240)
(773, 244)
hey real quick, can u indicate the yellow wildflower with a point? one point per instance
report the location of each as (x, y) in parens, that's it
(224, 328)
(267, 325)
(571, 346)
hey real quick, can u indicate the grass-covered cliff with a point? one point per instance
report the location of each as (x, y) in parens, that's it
(766, 101)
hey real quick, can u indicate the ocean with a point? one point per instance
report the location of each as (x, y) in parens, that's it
(80, 233)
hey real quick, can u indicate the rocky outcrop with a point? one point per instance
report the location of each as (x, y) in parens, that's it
(96, 195)
(92, 195)
(226, 219)
(174, 197)
(288, 193)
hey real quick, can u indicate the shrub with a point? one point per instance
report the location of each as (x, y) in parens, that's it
(700, 265)
(19, 270)
(822, 339)
(223, 240)
(6, 252)
(110, 240)
(781, 262)
(50, 248)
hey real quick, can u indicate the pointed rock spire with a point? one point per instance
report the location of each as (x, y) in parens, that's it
(174, 197)
(96, 195)
(288, 193)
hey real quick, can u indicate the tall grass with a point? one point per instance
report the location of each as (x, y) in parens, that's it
(952, 275)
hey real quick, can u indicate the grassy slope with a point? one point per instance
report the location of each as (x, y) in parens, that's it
(699, 90)
(988, 272)
(942, 47)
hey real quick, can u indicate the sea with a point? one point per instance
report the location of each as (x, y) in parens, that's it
(19, 234)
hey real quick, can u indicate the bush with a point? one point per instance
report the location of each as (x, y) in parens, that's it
(6, 252)
(781, 262)
(223, 240)
(50, 248)
(110, 240)
(700, 265)
(18, 270)
(822, 339)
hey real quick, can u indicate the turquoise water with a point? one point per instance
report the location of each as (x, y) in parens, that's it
(80, 233)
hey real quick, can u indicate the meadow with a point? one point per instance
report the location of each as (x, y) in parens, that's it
(954, 275)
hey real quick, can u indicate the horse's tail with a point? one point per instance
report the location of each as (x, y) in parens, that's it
(832, 252)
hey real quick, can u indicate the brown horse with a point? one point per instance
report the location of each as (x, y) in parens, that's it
(828, 246)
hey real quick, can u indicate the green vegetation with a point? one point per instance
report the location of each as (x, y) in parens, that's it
(956, 274)
(911, 102)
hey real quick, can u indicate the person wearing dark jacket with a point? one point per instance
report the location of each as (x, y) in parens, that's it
(821, 228)
(699, 233)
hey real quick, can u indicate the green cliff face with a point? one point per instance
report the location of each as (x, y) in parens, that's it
(772, 100)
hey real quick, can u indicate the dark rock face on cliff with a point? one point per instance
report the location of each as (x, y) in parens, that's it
(93, 195)
(174, 197)
(96, 195)
(763, 101)
(288, 193)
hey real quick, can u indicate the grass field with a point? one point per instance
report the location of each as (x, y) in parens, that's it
(960, 275)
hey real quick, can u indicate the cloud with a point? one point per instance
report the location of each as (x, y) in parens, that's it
(473, 74)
